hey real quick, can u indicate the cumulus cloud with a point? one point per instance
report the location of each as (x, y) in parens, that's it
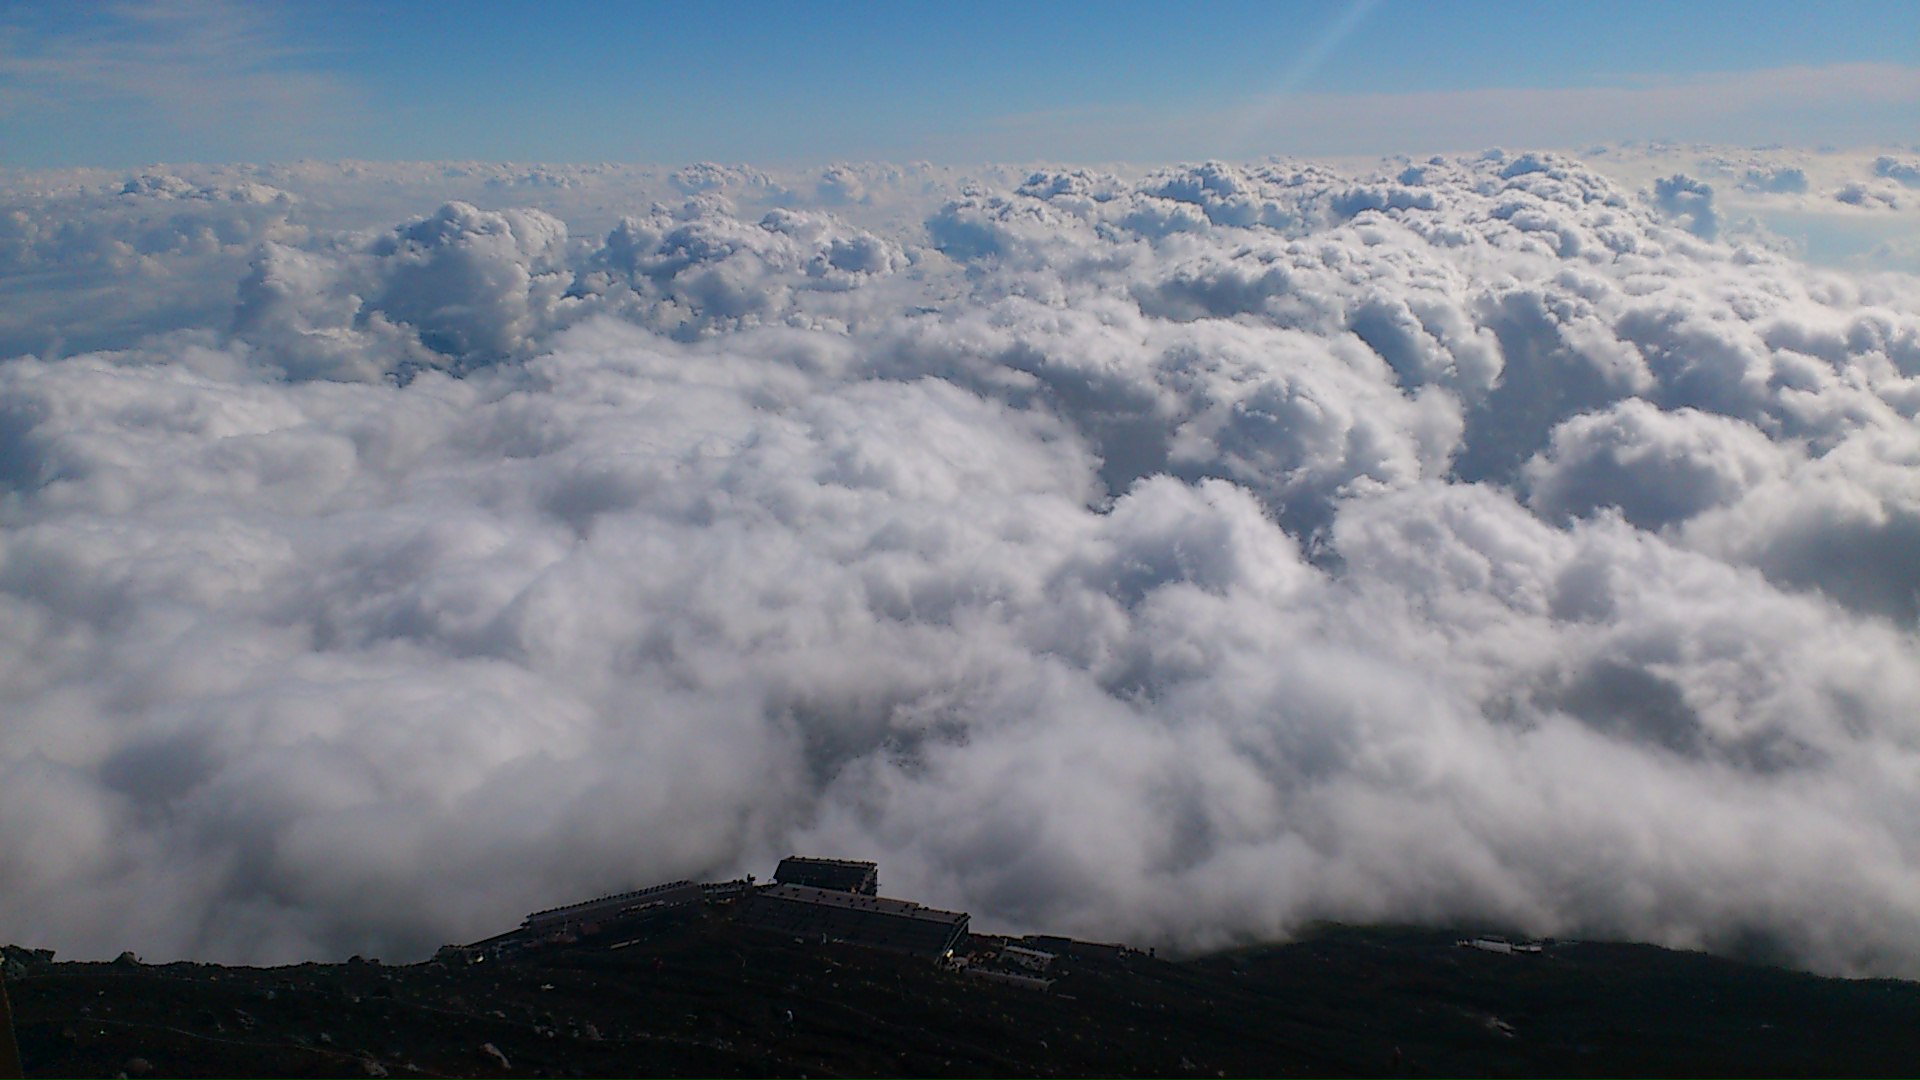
(1179, 556)
(1904, 171)
(1870, 195)
(1830, 207)
(100, 265)
(1655, 467)
(1776, 179)
(458, 288)
(1690, 201)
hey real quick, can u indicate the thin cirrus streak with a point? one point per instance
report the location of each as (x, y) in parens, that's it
(1252, 118)
(1344, 26)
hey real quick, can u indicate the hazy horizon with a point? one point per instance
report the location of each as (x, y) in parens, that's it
(122, 84)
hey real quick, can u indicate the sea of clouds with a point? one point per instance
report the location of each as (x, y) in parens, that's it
(1174, 555)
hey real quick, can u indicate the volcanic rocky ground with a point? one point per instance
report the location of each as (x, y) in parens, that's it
(692, 994)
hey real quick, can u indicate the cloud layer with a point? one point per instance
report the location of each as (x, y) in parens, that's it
(1178, 556)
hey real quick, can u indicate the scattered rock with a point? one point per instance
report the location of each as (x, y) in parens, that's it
(138, 1066)
(493, 1052)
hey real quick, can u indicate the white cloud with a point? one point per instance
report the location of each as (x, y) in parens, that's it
(1831, 207)
(1179, 556)
(1903, 170)
(1654, 467)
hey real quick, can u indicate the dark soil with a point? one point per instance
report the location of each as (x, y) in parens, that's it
(693, 995)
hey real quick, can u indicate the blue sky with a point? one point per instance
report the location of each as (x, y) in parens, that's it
(119, 85)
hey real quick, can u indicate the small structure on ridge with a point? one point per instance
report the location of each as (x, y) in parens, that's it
(836, 875)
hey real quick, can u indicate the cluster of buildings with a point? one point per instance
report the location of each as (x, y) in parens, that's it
(826, 900)
(836, 900)
(839, 900)
(588, 915)
(568, 924)
(1502, 945)
(808, 913)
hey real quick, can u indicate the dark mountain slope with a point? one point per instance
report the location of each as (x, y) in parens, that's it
(691, 993)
